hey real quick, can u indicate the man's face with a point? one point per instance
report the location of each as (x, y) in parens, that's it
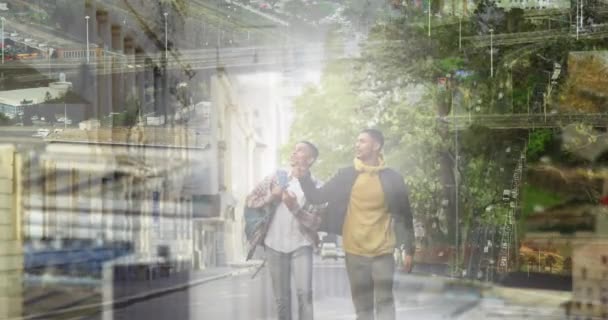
(365, 147)
(301, 156)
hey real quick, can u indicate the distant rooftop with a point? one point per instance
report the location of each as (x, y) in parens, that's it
(30, 95)
(178, 137)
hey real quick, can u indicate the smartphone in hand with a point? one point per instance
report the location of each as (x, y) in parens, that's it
(283, 179)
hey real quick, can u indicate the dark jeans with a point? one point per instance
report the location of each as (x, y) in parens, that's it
(282, 266)
(371, 285)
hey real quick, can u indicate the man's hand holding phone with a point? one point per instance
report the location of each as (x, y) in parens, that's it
(282, 184)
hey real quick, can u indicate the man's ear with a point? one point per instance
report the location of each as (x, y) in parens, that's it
(311, 161)
(377, 147)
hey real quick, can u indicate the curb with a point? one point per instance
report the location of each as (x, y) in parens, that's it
(127, 301)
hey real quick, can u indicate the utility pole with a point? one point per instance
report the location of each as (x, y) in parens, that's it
(528, 100)
(460, 32)
(430, 4)
(456, 197)
(88, 51)
(511, 88)
(545, 105)
(582, 14)
(166, 38)
(3, 46)
(491, 53)
(577, 15)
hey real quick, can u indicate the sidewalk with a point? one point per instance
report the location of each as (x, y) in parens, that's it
(530, 297)
(126, 293)
(501, 303)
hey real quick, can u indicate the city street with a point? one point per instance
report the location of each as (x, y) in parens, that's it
(241, 297)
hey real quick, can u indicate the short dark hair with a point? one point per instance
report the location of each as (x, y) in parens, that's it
(376, 135)
(313, 148)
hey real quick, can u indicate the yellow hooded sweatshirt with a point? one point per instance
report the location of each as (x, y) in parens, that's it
(368, 229)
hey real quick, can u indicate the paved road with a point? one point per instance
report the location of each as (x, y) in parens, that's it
(22, 137)
(243, 298)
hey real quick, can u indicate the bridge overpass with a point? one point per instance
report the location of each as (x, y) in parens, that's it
(524, 121)
(508, 39)
(242, 59)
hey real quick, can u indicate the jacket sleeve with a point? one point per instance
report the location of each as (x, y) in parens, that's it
(323, 194)
(261, 194)
(309, 216)
(404, 219)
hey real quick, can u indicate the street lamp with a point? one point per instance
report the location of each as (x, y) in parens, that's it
(88, 52)
(491, 52)
(166, 37)
(3, 48)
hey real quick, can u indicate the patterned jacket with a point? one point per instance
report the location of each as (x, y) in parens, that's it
(308, 216)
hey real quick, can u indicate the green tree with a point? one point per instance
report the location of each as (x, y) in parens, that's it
(129, 116)
(539, 140)
(550, 262)
(328, 115)
(567, 265)
(4, 120)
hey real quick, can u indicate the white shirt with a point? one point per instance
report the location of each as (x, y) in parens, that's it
(284, 233)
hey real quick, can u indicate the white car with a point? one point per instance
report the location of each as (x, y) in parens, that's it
(42, 133)
(329, 250)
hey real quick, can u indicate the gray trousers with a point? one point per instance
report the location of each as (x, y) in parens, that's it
(282, 266)
(371, 285)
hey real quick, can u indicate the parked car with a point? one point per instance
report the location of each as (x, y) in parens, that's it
(329, 250)
(340, 252)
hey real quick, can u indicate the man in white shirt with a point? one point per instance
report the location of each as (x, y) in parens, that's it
(292, 233)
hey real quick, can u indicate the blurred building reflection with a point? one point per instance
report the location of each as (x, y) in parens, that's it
(11, 251)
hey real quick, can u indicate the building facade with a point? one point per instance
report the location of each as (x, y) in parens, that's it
(11, 252)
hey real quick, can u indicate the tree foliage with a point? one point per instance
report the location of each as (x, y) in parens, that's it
(405, 80)
(539, 140)
(4, 120)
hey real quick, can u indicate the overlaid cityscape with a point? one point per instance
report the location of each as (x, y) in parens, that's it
(303, 159)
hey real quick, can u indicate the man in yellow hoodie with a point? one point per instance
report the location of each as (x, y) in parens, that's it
(368, 205)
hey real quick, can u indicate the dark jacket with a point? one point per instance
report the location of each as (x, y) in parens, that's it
(336, 193)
